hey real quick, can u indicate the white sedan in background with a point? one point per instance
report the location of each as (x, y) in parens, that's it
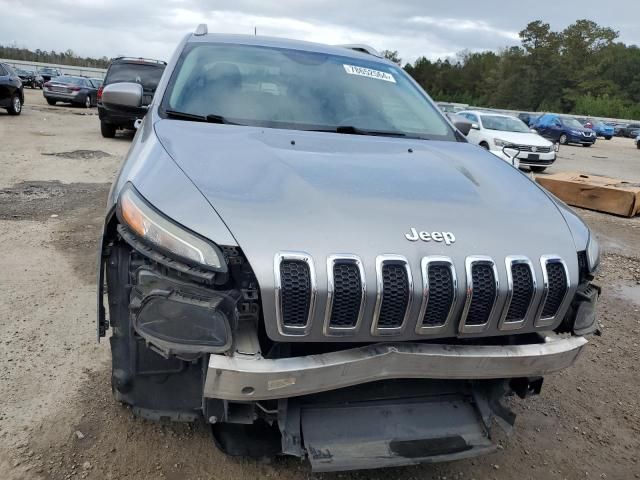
(510, 139)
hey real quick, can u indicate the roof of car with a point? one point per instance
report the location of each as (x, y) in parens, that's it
(277, 42)
(487, 114)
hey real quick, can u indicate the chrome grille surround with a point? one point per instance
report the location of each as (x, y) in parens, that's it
(545, 260)
(332, 260)
(496, 319)
(424, 268)
(291, 330)
(470, 261)
(510, 261)
(381, 260)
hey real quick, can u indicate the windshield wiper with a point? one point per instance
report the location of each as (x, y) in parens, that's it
(211, 118)
(351, 130)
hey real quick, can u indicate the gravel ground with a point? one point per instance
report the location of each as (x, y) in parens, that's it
(59, 421)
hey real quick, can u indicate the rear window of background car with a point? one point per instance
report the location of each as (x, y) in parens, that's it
(146, 75)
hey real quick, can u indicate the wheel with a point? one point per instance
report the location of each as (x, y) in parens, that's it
(87, 101)
(50, 101)
(587, 144)
(107, 130)
(15, 107)
(607, 137)
(563, 139)
(538, 169)
(485, 145)
(638, 145)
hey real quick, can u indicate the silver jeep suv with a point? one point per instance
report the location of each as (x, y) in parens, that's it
(301, 250)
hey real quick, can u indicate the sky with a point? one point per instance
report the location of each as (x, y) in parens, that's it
(435, 29)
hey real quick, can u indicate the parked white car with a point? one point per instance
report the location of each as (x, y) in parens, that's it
(511, 139)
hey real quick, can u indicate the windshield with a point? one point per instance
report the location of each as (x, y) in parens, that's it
(571, 122)
(19, 71)
(48, 70)
(146, 75)
(284, 88)
(504, 123)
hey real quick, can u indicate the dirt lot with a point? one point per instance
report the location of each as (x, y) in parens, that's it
(57, 416)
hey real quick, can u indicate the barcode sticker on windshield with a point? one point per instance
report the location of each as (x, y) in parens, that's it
(369, 72)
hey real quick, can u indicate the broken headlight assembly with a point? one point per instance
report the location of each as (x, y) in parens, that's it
(593, 253)
(173, 306)
(179, 317)
(155, 229)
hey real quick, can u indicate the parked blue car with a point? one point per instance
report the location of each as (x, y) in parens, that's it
(559, 128)
(601, 129)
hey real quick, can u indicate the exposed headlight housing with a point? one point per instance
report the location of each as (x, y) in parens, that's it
(154, 228)
(593, 253)
(501, 143)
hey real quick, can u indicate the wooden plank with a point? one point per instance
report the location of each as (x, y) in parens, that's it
(594, 192)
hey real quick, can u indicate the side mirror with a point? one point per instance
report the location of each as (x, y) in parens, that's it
(124, 94)
(475, 126)
(460, 122)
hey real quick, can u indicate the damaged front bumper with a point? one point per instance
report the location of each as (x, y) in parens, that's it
(246, 377)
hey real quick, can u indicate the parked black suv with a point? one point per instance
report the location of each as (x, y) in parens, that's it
(11, 90)
(144, 71)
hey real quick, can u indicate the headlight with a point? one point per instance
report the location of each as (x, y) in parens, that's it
(593, 253)
(152, 226)
(501, 143)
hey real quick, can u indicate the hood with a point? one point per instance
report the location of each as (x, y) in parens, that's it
(324, 193)
(522, 138)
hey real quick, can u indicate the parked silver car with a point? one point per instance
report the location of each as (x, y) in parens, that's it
(301, 249)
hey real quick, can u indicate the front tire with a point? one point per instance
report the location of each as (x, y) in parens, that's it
(563, 139)
(538, 169)
(587, 144)
(15, 107)
(87, 102)
(107, 130)
(485, 145)
(51, 101)
(608, 137)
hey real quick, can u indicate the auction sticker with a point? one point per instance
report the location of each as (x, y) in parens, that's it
(369, 72)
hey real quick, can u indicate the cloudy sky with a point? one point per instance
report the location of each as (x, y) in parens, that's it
(151, 28)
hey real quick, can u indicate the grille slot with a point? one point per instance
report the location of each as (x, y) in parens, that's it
(521, 291)
(296, 288)
(440, 285)
(346, 294)
(482, 293)
(395, 289)
(556, 290)
(295, 292)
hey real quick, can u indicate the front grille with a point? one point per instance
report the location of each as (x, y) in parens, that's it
(484, 294)
(344, 311)
(523, 290)
(395, 295)
(557, 289)
(295, 292)
(441, 295)
(529, 148)
(347, 295)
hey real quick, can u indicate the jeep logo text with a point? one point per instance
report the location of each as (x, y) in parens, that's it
(414, 236)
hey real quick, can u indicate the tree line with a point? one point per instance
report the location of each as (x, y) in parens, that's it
(68, 57)
(582, 69)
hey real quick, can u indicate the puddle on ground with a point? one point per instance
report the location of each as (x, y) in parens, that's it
(628, 292)
(80, 154)
(39, 200)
